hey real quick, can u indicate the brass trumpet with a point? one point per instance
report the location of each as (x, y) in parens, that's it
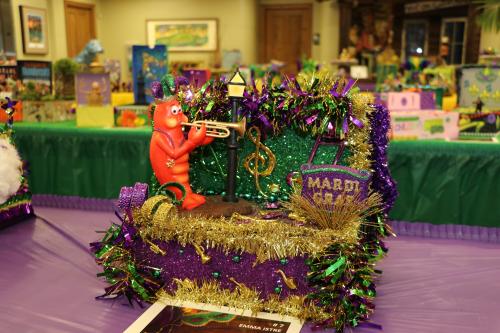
(218, 129)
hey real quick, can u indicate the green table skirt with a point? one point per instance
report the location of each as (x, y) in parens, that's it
(447, 182)
(439, 182)
(85, 162)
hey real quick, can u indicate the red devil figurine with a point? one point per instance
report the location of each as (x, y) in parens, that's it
(169, 150)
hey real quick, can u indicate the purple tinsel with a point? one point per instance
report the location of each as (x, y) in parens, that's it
(382, 181)
(18, 211)
(181, 81)
(22, 206)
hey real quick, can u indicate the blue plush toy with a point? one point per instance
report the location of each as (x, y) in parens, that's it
(89, 52)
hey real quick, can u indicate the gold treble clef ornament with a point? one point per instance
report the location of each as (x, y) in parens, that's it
(254, 161)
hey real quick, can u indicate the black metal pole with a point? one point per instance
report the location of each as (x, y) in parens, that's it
(232, 150)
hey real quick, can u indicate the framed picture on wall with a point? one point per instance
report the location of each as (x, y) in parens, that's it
(34, 30)
(195, 35)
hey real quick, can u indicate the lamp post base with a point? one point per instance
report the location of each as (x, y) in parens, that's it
(229, 198)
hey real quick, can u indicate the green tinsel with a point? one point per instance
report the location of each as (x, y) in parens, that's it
(126, 275)
(343, 277)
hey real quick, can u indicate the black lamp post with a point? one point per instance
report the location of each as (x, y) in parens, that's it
(236, 88)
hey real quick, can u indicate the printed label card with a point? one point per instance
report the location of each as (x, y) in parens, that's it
(187, 317)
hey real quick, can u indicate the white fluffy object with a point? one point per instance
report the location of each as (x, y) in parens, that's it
(10, 170)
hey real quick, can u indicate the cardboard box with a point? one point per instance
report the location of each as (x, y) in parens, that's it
(479, 126)
(122, 98)
(48, 111)
(132, 116)
(93, 88)
(407, 101)
(413, 125)
(403, 101)
(94, 116)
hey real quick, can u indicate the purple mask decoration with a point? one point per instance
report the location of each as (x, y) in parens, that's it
(322, 184)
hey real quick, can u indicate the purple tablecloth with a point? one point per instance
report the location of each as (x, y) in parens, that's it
(48, 281)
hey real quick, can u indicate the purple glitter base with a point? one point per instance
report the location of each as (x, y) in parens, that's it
(382, 181)
(185, 263)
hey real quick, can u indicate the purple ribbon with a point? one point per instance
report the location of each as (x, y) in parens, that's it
(349, 117)
(345, 127)
(252, 102)
(139, 195)
(311, 119)
(132, 197)
(124, 198)
(356, 121)
(298, 90)
(345, 90)
(128, 233)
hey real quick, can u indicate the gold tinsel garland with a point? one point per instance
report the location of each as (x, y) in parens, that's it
(358, 138)
(347, 211)
(267, 239)
(242, 297)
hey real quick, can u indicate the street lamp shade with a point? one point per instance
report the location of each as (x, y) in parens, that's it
(236, 85)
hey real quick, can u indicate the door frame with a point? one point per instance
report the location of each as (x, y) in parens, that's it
(261, 23)
(81, 5)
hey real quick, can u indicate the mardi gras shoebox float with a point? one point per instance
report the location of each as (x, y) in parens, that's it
(15, 196)
(413, 116)
(479, 125)
(480, 102)
(311, 255)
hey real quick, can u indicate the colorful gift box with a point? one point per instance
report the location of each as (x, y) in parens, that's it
(94, 116)
(479, 126)
(132, 116)
(403, 101)
(122, 98)
(413, 125)
(15, 195)
(48, 111)
(407, 101)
